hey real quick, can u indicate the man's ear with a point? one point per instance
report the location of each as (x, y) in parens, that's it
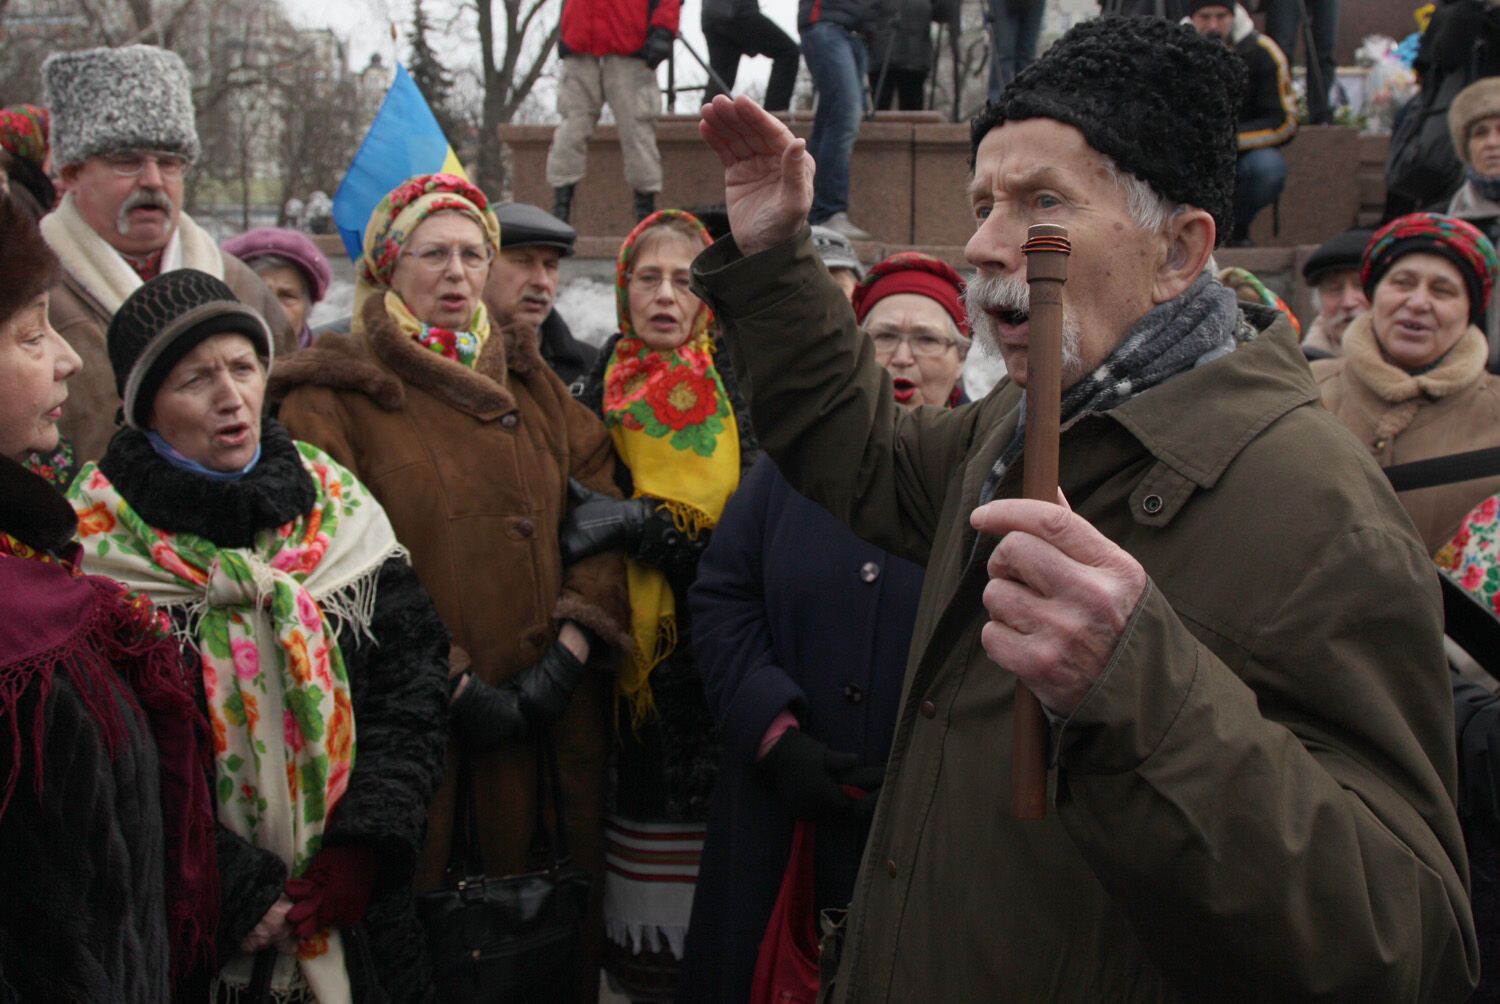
(69, 174)
(1189, 241)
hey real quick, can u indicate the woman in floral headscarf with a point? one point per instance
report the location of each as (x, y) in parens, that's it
(668, 398)
(1412, 382)
(468, 440)
(25, 158)
(322, 661)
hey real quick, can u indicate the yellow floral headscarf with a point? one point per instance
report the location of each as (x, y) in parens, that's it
(670, 419)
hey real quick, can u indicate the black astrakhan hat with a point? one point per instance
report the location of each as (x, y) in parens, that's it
(1157, 98)
(164, 320)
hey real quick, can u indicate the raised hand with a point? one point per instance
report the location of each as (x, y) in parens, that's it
(768, 175)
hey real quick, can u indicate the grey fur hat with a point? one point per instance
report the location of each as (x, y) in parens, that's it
(103, 100)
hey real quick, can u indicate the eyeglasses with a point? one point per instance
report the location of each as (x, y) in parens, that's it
(921, 343)
(650, 280)
(435, 257)
(130, 165)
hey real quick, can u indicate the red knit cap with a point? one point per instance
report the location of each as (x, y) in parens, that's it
(913, 272)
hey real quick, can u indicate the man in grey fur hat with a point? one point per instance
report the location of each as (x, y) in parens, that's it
(123, 138)
(1233, 628)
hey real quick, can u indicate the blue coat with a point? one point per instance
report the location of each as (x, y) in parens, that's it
(790, 610)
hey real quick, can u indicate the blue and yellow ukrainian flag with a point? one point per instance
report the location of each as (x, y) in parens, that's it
(404, 140)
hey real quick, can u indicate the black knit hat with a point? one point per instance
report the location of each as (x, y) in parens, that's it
(1192, 7)
(162, 322)
(1155, 97)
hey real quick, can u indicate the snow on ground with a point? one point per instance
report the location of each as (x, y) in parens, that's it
(588, 306)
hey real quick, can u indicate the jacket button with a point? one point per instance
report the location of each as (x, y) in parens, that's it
(869, 571)
(929, 710)
(1152, 504)
(853, 694)
(891, 869)
(510, 421)
(525, 527)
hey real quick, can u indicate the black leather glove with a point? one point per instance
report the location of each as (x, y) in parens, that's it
(658, 47)
(599, 523)
(483, 717)
(807, 775)
(545, 686)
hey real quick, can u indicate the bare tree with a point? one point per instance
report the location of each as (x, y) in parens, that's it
(526, 36)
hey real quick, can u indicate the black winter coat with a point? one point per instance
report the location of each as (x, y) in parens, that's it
(791, 611)
(400, 697)
(666, 768)
(905, 28)
(1268, 113)
(719, 11)
(569, 358)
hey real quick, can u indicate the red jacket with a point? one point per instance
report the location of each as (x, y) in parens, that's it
(614, 27)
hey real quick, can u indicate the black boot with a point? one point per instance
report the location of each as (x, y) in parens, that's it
(562, 202)
(645, 205)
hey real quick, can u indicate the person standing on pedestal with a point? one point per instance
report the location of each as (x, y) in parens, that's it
(833, 43)
(1015, 26)
(610, 50)
(735, 28)
(1284, 25)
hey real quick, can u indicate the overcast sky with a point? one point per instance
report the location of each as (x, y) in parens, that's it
(366, 24)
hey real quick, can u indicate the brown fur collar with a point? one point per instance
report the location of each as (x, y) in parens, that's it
(379, 364)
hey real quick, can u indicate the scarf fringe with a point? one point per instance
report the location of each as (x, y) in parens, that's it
(688, 518)
(637, 692)
(353, 604)
(222, 991)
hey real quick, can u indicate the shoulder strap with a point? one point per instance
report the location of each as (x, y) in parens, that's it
(1447, 470)
(464, 854)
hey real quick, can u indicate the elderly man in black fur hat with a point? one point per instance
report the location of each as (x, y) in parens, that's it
(1233, 628)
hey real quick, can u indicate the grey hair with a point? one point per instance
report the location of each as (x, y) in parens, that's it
(1149, 210)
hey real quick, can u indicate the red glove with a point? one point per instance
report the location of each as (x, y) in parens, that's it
(334, 891)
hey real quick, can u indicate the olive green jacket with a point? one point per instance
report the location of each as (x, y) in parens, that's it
(1256, 799)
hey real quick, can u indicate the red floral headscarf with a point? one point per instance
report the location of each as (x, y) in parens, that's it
(23, 133)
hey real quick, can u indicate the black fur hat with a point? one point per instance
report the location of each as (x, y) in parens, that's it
(27, 264)
(1155, 97)
(164, 320)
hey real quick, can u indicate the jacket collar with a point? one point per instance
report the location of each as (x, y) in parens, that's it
(1197, 423)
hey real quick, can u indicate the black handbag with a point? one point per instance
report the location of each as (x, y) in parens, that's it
(518, 938)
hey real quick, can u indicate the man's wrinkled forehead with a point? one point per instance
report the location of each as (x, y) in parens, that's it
(1000, 160)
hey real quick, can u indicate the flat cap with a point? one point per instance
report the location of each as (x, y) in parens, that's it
(525, 225)
(1346, 250)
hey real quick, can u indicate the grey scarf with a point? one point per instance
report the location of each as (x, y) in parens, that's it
(1201, 325)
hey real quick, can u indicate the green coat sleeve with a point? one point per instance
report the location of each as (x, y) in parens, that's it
(820, 403)
(1287, 824)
